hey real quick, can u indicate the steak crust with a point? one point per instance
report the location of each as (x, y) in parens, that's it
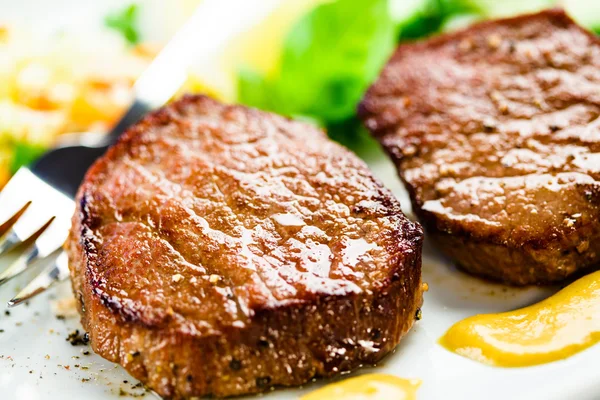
(222, 250)
(495, 131)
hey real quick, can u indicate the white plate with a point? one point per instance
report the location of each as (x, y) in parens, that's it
(36, 362)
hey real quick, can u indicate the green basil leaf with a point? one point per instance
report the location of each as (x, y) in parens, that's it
(328, 59)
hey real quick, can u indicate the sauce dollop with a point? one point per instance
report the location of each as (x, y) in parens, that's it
(553, 329)
(368, 387)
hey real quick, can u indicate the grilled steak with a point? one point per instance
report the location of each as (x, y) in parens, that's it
(495, 131)
(222, 250)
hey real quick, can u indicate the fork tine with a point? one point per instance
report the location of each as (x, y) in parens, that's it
(23, 262)
(8, 237)
(9, 242)
(5, 226)
(56, 271)
(28, 257)
(22, 244)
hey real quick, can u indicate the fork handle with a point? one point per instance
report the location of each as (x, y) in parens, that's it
(136, 111)
(211, 26)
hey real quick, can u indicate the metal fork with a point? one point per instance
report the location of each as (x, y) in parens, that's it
(37, 203)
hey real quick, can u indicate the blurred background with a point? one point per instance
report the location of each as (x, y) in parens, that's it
(69, 65)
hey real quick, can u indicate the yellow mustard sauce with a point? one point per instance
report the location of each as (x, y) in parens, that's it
(554, 329)
(368, 387)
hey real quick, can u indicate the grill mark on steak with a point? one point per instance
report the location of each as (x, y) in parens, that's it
(498, 142)
(302, 249)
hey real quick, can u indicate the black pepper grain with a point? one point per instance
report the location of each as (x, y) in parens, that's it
(76, 339)
(488, 128)
(263, 382)
(375, 334)
(419, 314)
(235, 364)
(511, 46)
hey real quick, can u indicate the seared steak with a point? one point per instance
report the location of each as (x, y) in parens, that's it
(495, 131)
(222, 250)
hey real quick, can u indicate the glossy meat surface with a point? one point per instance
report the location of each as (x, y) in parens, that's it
(495, 131)
(218, 240)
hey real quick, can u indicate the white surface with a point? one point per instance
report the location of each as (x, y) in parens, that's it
(32, 332)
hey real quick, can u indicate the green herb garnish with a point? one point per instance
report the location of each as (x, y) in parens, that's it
(125, 21)
(328, 60)
(25, 153)
(333, 53)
